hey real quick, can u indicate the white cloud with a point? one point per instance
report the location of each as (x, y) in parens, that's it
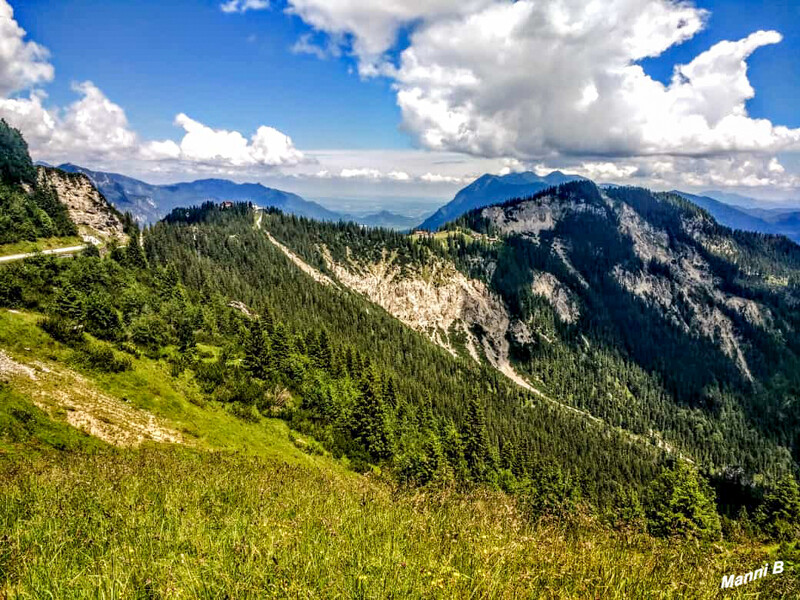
(740, 170)
(367, 173)
(202, 144)
(360, 174)
(95, 128)
(91, 127)
(242, 6)
(372, 27)
(536, 78)
(22, 63)
(439, 178)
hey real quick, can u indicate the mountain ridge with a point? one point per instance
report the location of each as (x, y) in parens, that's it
(492, 189)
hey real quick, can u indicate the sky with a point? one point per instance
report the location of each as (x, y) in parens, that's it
(402, 102)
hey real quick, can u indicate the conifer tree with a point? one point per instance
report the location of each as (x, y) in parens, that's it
(779, 513)
(256, 350)
(69, 302)
(15, 161)
(371, 424)
(476, 440)
(134, 254)
(681, 503)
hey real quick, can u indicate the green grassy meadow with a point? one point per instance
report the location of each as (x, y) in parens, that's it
(242, 511)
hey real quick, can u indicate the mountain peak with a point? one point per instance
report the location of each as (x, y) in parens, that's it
(494, 189)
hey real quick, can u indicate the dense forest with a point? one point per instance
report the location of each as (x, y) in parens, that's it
(738, 429)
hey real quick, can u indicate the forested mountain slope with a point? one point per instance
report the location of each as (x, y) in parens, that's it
(635, 307)
(215, 335)
(29, 208)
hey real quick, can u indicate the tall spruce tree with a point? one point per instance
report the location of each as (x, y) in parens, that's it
(681, 503)
(476, 440)
(779, 513)
(371, 424)
(15, 161)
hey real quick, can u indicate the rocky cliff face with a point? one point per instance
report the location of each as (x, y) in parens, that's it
(434, 298)
(97, 221)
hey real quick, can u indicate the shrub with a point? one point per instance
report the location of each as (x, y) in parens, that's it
(779, 514)
(149, 332)
(102, 319)
(62, 330)
(245, 412)
(102, 358)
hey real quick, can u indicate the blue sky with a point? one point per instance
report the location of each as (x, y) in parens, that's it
(364, 118)
(237, 71)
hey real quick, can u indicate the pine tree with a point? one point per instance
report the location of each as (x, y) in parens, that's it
(371, 424)
(281, 346)
(69, 302)
(256, 350)
(476, 440)
(134, 254)
(681, 503)
(779, 513)
(102, 319)
(15, 161)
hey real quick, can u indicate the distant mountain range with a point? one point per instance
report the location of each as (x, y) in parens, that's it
(492, 189)
(781, 221)
(149, 203)
(386, 219)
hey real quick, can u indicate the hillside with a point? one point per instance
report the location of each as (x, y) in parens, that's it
(173, 356)
(149, 203)
(491, 189)
(44, 209)
(636, 308)
(386, 219)
(88, 209)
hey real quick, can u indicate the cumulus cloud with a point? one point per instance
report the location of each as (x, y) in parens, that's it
(537, 78)
(372, 27)
(93, 126)
(22, 63)
(439, 178)
(370, 174)
(202, 144)
(241, 6)
(306, 45)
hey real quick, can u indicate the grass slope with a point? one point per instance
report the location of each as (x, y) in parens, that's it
(244, 513)
(149, 387)
(180, 523)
